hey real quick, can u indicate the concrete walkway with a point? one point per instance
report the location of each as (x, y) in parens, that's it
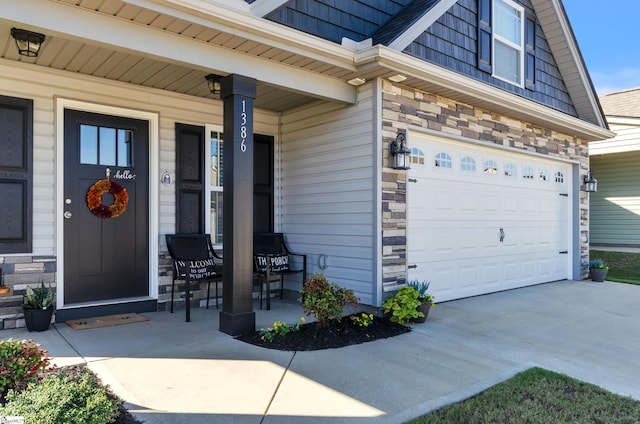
(169, 371)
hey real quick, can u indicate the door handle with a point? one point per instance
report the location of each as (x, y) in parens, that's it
(501, 235)
(67, 214)
(412, 266)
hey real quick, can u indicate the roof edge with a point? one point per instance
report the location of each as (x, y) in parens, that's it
(391, 59)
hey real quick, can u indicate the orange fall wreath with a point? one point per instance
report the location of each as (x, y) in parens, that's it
(94, 199)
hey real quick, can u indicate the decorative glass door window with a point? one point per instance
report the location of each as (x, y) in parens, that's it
(216, 141)
(105, 146)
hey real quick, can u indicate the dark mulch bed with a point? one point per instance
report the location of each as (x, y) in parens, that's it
(338, 334)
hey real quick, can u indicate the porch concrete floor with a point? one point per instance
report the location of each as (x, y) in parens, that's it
(170, 371)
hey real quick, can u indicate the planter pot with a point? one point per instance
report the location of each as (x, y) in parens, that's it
(598, 274)
(424, 308)
(4, 290)
(38, 319)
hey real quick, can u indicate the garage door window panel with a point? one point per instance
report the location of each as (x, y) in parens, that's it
(443, 160)
(510, 170)
(417, 156)
(559, 177)
(527, 173)
(468, 164)
(490, 167)
(544, 175)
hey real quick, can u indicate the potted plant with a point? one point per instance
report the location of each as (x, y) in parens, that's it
(598, 269)
(403, 305)
(3, 289)
(38, 307)
(425, 298)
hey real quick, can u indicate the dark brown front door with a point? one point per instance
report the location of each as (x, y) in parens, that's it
(106, 258)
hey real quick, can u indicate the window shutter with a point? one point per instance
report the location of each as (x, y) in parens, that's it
(190, 178)
(16, 174)
(484, 35)
(530, 52)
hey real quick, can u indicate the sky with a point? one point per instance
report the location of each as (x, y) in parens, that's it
(608, 33)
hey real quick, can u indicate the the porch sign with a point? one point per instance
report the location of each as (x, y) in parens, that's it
(277, 263)
(198, 270)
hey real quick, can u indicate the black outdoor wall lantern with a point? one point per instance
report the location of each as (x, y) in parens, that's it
(27, 42)
(213, 82)
(400, 153)
(590, 183)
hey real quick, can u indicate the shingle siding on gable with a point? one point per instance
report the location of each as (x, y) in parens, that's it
(452, 42)
(334, 19)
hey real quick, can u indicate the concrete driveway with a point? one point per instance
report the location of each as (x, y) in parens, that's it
(169, 371)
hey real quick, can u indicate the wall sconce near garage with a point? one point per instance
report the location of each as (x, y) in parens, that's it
(400, 153)
(590, 183)
(213, 82)
(27, 42)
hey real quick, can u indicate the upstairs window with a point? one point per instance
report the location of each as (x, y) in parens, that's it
(506, 42)
(508, 36)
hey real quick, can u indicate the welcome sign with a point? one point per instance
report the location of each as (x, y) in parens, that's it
(198, 270)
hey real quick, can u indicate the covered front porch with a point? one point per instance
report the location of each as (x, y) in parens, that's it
(149, 62)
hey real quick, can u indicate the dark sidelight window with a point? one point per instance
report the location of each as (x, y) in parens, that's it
(16, 174)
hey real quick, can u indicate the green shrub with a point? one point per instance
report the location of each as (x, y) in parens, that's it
(403, 305)
(325, 300)
(21, 362)
(59, 399)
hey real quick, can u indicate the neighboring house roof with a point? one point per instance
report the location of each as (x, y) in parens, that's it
(622, 109)
(624, 103)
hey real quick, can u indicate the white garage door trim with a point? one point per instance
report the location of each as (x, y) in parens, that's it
(482, 219)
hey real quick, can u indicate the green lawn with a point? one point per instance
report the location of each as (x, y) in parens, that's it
(623, 267)
(538, 396)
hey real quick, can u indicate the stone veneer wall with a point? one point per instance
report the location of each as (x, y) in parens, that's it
(21, 271)
(18, 273)
(402, 107)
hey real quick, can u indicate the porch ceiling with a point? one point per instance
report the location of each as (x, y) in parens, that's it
(97, 58)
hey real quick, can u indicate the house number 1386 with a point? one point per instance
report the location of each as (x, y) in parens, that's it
(243, 129)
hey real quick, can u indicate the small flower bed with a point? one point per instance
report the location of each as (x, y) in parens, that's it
(362, 320)
(280, 328)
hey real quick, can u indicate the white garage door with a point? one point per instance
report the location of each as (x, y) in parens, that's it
(482, 219)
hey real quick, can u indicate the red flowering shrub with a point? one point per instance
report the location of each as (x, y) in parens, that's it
(21, 362)
(325, 300)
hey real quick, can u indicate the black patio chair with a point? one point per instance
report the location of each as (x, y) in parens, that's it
(271, 258)
(194, 259)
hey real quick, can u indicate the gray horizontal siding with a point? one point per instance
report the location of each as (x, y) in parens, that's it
(452, 43)
(327, 198)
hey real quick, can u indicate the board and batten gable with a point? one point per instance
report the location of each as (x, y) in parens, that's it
(328, 190)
